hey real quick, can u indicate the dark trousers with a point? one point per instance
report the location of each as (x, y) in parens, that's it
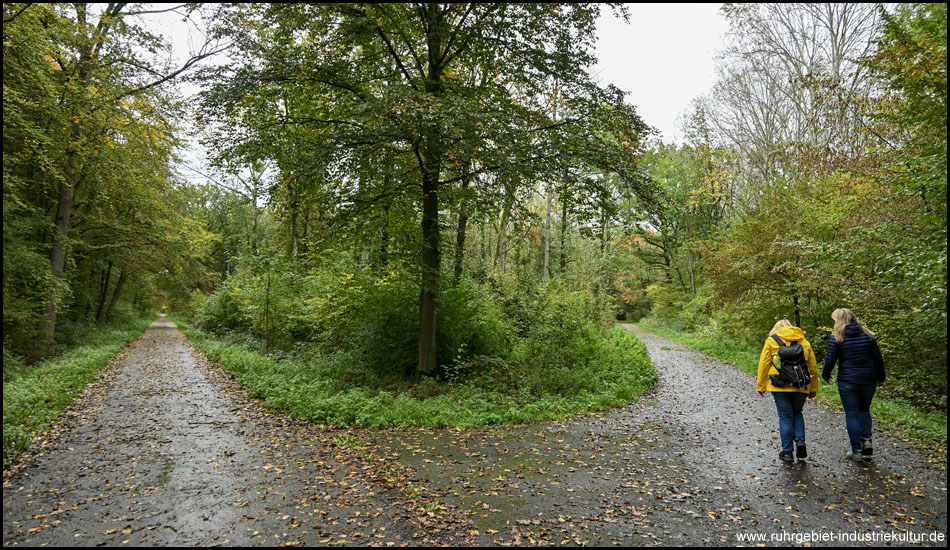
(856, 400)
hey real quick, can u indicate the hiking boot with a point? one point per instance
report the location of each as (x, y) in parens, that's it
(800, 450)
(786, 456)
(867, 449)
(856, 456)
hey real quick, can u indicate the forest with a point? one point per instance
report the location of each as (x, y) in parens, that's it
(435, 214)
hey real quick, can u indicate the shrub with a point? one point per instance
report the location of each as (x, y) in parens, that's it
(322, 388)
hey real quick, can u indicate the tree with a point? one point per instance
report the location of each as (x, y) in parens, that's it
(791, 80)
(445, 91)
(93, 65)
(88, 137)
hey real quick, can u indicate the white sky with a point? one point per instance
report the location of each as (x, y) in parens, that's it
(665, 57)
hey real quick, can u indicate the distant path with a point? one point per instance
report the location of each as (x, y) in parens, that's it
(695, 462)
(163, 451)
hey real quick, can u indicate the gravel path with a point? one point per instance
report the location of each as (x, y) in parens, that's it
(164, 449)
(692, 463)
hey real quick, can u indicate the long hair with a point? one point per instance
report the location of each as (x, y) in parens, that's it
(842, 317)
(781, 324)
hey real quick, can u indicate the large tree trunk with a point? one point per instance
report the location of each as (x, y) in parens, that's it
(431, 157)
(88, 52)
(57, 257)
(64, 209)
(430, 274)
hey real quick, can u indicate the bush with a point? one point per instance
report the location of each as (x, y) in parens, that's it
(694, 313)
(344, 307)
(345, 345)
(562, 339)
(667, 302)
(322, 387)
(223, 310)
(471, 322)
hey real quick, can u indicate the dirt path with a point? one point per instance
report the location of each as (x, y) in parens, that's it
(692, 463)
(163, 450)
(166, 451)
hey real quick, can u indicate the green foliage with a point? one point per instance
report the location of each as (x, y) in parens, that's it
(321, 387)
(91, 213)
(471, 323)
(695, 312)
(510, 349)
(562, 339)
(912, 60)
(400, 145)
(666, 300)
(34, 396)
(840, 241)
(677, 309)
(343, 306)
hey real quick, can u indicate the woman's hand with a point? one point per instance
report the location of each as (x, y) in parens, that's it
(812, 395)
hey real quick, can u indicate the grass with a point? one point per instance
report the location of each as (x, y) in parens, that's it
(34, 396)
(891, 414)
(163, 477)
(321, 388)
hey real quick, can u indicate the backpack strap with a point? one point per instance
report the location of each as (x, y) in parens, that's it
(781, 344)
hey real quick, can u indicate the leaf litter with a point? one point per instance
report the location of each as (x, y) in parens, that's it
(165, 448)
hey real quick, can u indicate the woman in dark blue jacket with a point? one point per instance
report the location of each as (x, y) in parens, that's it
(860, 373)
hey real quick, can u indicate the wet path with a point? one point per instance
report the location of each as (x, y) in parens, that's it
(163, 450)
(692, 463)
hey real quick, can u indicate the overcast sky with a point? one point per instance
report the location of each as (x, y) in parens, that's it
(664, 57)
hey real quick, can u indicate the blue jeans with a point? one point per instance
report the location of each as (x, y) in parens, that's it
(856, 400)
(791, 423)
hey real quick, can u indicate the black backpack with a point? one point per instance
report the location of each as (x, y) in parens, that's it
(794, 369)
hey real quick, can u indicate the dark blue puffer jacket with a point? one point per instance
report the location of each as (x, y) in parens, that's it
(859, 357)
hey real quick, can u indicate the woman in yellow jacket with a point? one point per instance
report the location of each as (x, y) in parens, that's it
(789, 399)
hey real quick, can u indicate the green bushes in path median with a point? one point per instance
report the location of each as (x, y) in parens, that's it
(35, 395)
(483, 391)
(345, 307)
(340, 345)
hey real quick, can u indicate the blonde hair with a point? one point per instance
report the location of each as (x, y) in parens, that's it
(842, 317)
(779, 325)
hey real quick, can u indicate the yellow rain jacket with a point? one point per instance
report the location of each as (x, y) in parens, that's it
(769, 361)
